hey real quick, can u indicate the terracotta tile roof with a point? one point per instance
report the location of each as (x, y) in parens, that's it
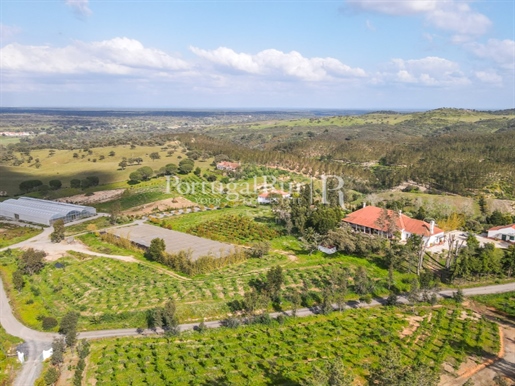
(502, 227)
(266, 194)
(228, 165)
(370, 215)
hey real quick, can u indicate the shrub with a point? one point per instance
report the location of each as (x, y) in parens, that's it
(49, 323)
(51, 376)
(55, 184)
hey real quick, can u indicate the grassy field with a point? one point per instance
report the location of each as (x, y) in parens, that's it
(99, 223)
(62, 165)
(284, 354)
(12, 234)
(8, 360)
(503, 302)
(8, 140)
(433, 117)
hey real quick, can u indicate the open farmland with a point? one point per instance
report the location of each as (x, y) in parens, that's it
(110, 293)
(12, 234)
(63, 165)
(285, 354)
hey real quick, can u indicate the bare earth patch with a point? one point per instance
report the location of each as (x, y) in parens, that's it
(414, 323)
(162, 205)
(101, 196)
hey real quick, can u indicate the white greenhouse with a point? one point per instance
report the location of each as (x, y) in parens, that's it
(43, 211)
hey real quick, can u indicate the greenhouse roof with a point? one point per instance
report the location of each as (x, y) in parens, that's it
(42, 211)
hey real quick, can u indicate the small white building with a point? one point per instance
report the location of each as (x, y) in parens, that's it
(268, 196)
(329, 250)
(502, 232)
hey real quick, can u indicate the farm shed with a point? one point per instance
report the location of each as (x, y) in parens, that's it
(43, 212)
(503, 232)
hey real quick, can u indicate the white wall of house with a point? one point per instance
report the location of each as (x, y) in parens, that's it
(428, 241)
(508, 232)
(263, 200)
(266, 200)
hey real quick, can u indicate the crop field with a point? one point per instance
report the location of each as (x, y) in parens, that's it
(8, 359)
(504, 302)
(185, 222)
(239, 224)
(283, 354)
(109, 293)
(12, 234)
(233, 228)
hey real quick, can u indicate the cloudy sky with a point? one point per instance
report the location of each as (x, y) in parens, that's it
(371, 54)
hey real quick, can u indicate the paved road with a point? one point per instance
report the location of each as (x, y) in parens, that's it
(36, 341)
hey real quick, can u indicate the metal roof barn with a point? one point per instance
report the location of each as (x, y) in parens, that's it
(43, 212)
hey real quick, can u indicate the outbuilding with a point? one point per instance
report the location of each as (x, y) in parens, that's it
(503, 232)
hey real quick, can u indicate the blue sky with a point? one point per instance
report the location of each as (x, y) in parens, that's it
(371, 54)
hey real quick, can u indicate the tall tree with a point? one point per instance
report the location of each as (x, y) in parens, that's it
(156, 250)
(58, 234)
(274, 281)
(114, 212)
(32, 261)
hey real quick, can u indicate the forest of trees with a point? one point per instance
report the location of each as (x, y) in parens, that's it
(451, 156)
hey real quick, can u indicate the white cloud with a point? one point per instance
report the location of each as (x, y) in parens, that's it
(8, 31)
(118, 56)
(79, 7)
(459, 18)
(448, 15)
(276, 63)
(397, 7)
(429, 71)
(490, 77)
(370, 26)
(501, 52)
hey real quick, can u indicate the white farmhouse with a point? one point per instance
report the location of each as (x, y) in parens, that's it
(268, 196)
(376, 221)
(503, 232)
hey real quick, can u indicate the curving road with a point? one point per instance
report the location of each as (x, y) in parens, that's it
(36, 341)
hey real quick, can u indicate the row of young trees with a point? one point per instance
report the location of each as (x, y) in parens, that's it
(146, 172)
(68, 341)
(182, 261)
(38, 185)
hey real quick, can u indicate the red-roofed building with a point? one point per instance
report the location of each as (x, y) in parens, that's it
(503, 232)
(386, 222)
(229, 166)
(267, 197)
